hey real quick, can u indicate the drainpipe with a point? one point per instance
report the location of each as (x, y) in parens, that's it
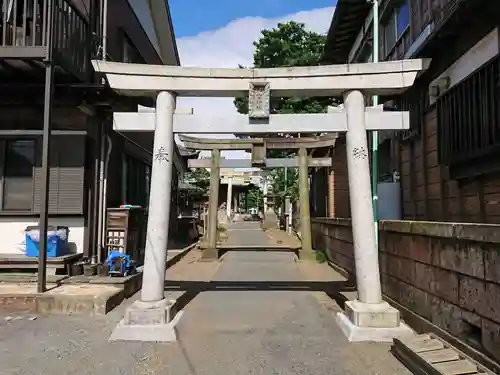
(97, 196)
(104, 29)
(104, 196)
(375, 133)
(99, 243)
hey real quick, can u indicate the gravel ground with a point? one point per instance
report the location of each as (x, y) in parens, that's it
(259, 330)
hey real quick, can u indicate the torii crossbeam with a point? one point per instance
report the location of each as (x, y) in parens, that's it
(334, 121)
(280, 143)
(269, 163)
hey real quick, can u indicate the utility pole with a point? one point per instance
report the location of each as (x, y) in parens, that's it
(47, 129)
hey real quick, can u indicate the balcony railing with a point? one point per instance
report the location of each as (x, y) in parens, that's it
(23, 34)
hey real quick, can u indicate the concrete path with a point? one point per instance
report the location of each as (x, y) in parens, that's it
(263, 328)
(246, 233)
(273, 323)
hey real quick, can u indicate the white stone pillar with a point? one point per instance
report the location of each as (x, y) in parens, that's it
(369, 318)
(229, 197)
(264, 192)
(153, 278)
(213, 207)
(150, 318)
(304, 202)
(365, 248)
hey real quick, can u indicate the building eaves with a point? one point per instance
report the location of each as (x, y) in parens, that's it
(162, 19)
(347, 21)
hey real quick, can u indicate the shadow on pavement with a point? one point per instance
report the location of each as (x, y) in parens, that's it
(192, 288)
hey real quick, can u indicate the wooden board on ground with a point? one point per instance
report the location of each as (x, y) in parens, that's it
(428, 354)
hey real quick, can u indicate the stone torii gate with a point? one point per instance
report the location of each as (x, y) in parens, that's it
(258, 148)
(368, 318)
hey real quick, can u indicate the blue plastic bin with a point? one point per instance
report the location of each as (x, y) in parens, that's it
(56, 245)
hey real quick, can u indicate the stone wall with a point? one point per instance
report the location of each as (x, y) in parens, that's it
(447, 273)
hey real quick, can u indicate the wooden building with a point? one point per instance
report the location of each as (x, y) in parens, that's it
(92, 167)
(448, 159)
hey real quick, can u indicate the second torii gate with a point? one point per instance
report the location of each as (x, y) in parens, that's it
(368, 318)
(258, 148)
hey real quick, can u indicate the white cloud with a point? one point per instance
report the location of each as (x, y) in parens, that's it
(232, 45)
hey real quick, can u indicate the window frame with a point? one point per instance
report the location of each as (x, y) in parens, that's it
(127, 46)
(61, 178)
(393, 20)
(468, 117)
(3, 159)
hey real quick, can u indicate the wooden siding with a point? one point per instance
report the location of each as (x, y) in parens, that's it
(428, 190)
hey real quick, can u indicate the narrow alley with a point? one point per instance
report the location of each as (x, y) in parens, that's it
(262, 313)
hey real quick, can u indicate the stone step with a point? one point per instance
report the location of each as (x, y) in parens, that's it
(429, 354)
(84, 299)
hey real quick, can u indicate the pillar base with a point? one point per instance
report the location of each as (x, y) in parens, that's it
(307, 255)
(148, 322)
(372, 322)
(210, 254)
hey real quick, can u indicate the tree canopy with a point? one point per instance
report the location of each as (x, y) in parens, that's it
(285, 182)
(287, 45)
(199, 177)
(254, 198)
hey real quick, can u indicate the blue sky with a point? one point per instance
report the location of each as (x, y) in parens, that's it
(222, 36)
(194, 16)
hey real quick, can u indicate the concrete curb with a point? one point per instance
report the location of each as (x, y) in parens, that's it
(81, 304)
(61, 304)
(176, 258)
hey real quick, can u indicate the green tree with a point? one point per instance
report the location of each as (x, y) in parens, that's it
(255, 197)
(199, 178)
(287, 45)
(285, 182)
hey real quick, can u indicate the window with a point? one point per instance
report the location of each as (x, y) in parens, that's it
(366, 54)
(137, 177)
(390, 35)
(396, 25)
(130, 52)
(21, 174)
(468, 118)
(19, 162)
(416, 101)
(402, 19)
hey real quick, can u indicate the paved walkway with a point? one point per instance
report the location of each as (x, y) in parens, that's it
(259, 315)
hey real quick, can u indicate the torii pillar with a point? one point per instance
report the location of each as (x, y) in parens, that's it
(210, 252)
(304, 204)
(148, 318)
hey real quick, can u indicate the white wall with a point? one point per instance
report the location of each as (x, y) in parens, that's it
(141, 10)
(12, 233)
